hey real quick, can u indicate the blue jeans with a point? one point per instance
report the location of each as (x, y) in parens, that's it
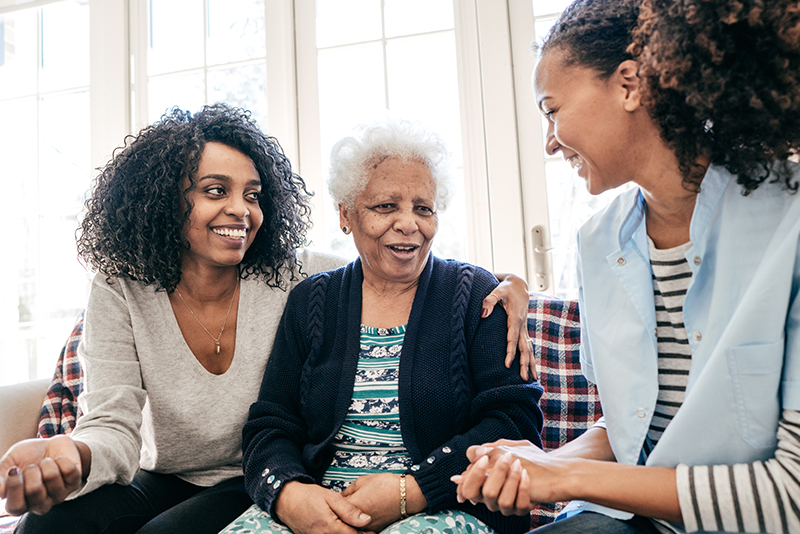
(152, 503)
(598, 524)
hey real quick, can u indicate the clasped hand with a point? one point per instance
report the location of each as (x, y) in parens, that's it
(367, 505)
(37, 474)
(500, 473)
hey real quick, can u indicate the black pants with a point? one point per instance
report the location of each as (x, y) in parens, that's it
(594, 523)
(153, 503)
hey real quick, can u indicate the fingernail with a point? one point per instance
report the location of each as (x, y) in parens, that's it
(484, 313)
(459, 498)
(516, 466)
(473, 502)
(13, 472)
(483, 462)
(481, 451)
(456, 479)
(364, 517)
(506, 457)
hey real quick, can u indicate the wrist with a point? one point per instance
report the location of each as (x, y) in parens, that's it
(86, 458)
(415, 499)
(284, 499)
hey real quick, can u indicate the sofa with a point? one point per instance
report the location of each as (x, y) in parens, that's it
(570, 404)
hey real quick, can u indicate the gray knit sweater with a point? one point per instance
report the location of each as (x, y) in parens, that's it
(149, 403)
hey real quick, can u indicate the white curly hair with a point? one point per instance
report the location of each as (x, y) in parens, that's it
(352, 157)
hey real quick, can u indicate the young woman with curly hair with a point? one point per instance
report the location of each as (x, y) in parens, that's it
(690, 314)
(193, 228)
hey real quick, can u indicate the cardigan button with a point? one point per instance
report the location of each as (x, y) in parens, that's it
(277, 484)
(415, 468)
(270, 479)
(430, 459)
(447, 450)
(265, 472)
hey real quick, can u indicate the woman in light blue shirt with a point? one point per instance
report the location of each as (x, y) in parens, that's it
(689, 282)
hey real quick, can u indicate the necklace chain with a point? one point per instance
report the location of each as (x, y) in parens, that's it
(216, 339)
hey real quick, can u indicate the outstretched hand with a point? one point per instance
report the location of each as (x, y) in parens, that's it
(37, 474)
(512, 293)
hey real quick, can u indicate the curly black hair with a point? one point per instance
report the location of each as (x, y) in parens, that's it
(721, 77)
(134, 222)
(723, 81)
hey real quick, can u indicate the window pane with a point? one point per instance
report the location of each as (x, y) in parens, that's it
(65, 46)
(18, 59)
(176, 36)
(423, 84)
(347, 21)
(185, 91)
(546, 7)
(64, 157)
(405, 17)
(245, 87)
(235, 30)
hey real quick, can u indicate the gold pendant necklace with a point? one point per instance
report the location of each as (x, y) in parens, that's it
(216, 339)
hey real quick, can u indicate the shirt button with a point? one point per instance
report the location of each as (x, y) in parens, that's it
(621, 261)
(697, 260)
(698, 336)
(655, 332)
(641, 412)
(447, 450)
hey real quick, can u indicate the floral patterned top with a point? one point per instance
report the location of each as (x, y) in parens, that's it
(369, 440)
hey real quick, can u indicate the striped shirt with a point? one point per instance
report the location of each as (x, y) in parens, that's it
(369, 441)
(671, 278)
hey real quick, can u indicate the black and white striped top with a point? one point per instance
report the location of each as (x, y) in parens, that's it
(671, 278)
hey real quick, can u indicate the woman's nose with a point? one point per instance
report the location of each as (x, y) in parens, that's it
(237, 207)
(405, 222)
(551, 145)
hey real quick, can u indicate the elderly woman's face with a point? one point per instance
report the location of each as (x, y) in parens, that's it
(394, 220)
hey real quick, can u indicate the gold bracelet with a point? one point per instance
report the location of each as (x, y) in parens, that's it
(403, 513)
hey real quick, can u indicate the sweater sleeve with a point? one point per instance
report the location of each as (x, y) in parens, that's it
(757, 497)
(275, 433)
(500, 405)
(113, 395)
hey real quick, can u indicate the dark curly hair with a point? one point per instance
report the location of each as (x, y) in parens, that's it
(723, 80)
(134, 223)
(720, 76)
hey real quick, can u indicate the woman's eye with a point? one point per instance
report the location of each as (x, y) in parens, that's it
(384, 208)
(216, 191)
(425, 210)
(253, 196)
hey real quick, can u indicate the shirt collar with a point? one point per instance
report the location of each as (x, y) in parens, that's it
(714, 184)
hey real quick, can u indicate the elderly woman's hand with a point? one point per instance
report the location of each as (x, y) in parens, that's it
(512, 293)
(312, 509)
(379, 495)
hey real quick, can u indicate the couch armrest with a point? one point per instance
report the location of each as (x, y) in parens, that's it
(20, 405)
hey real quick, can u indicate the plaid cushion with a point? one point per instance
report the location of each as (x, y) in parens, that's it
(60, 408)
(570, 403)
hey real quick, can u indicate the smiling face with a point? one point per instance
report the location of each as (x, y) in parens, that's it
(393, 221)
(595, 123)
(225, 211)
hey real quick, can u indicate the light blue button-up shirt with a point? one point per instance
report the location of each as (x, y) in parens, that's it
(741, 313)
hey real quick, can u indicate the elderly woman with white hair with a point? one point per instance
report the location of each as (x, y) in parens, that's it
(383, 372)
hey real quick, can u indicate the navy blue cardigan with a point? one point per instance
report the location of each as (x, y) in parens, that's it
(454, 389)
